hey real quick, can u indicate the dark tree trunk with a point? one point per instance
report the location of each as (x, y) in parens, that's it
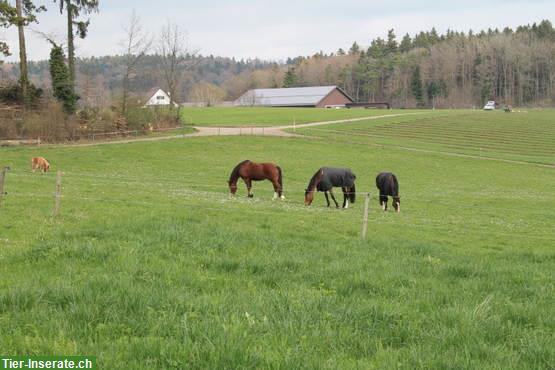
(24, 75)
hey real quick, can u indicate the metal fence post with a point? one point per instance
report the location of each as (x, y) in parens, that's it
(365, 216)
(2, 180)
(58, 194)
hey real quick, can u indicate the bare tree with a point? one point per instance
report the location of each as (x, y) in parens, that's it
(207, 94)
(176, 58)
(137, 43)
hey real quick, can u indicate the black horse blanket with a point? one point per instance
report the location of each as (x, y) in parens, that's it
(339, 177)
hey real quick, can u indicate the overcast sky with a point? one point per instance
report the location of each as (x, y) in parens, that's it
(275, 30)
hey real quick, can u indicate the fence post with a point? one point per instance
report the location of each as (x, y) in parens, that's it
(365, 216)
(2, 180)
(58, 194)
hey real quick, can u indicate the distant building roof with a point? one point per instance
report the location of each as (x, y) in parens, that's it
(288, 97)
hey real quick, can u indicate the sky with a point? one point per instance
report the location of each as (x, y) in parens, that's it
(276, 30)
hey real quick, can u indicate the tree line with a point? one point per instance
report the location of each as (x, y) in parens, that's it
(428, 69)
(455, 69)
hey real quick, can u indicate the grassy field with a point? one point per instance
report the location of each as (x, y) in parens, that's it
(528, 137)
(263, 116)
(150, 265)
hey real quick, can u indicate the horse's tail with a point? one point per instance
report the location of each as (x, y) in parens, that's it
(353, 193)
(395, 189)
(280, 177)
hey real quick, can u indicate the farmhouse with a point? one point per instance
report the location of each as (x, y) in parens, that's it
(315, 96)
(158, 97)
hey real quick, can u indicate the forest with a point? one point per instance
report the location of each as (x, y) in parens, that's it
(454, 70)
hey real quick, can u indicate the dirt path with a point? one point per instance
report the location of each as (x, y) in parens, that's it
(202, 131)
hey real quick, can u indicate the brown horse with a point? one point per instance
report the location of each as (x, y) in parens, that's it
(40, 163)
(251, 171)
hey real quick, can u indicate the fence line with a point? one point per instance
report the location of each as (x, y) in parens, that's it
(272, 212)
(209, 187)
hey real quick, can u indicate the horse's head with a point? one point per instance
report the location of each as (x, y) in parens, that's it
(232, 187)
(308, 197)
(397, 204)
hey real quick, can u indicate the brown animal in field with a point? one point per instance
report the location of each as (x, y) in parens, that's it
(40, 163)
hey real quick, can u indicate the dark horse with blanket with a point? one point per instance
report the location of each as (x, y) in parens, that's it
(325, 179)
(387, 183)
(251, 171)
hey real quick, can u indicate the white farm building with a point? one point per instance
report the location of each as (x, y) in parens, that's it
(158, 97)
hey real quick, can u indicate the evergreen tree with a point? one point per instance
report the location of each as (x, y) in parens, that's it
(7, 14)
(391, 45)
(290, 79)
(416, 86)
(377, 48)
(355, 49)
(73, 9)
(61, 82)
(23, 14)
(406, 44)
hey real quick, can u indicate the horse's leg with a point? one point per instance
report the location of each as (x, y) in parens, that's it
(333, 197)
(248, 182)
(383, 202)
(327, 199)
(345, 199)
(277, 190)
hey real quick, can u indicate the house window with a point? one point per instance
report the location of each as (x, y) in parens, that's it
(160, 97)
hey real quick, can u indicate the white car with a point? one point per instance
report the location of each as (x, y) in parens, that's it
(490, 105)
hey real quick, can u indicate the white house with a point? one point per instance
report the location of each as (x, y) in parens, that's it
(159, 97)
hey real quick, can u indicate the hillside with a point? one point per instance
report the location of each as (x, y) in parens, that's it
(455, 70)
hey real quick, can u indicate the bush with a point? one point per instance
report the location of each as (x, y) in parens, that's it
(11, 94)
(139, 118)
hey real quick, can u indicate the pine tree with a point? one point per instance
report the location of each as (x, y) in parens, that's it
(23, 14)
(406, 44)
(355, 49)
(416, 86)
(290, 79)
(391, 45)
(73, 10)
(61, 82)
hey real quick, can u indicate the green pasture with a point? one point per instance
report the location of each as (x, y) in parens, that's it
(266, 116)
(527, 136)
(150, 265)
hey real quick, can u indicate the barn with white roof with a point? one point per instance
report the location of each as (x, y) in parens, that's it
(314, 96)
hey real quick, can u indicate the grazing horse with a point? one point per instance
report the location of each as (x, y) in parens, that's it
(40, 163)
(387, 183)
(325, 179)
(251, 171)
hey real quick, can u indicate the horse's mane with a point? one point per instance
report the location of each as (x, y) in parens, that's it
(315, 179)
(235, 173)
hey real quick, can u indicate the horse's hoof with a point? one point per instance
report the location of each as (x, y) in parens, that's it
(250, 195)
(282, 197)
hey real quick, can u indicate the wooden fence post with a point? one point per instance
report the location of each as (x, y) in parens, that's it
(365, 216)
(58, 194)
(2, 180)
